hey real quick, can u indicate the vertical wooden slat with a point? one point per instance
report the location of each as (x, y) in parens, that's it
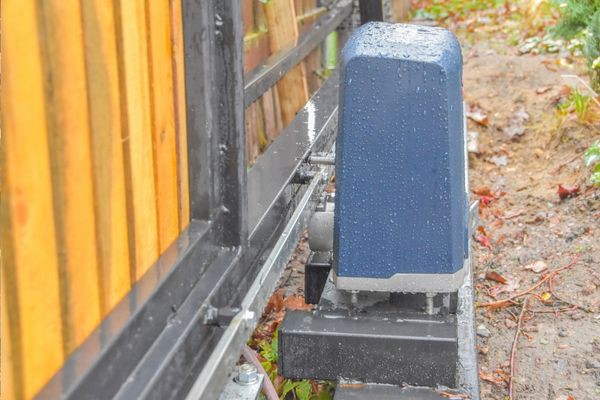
(180, 113)
(31, 273)
(268, 106)
(135, 106)
(283, 32)
(68, 128)
(109, 176)
(7, 362)
(163, 120)
(251, 119)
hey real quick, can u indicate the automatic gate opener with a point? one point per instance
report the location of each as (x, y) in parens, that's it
(398, 296)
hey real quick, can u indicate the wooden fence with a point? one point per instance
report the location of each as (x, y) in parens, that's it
(94, 157)
(94, 177)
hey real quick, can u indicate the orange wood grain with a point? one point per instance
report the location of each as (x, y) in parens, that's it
(70, 153)
(106, 124)
(163, 120)
(180, 113)
(283, 32)
(137, 134)
(30, 272)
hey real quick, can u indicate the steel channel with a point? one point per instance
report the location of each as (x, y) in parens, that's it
(265, 76)
(313, 129)
(225, 354)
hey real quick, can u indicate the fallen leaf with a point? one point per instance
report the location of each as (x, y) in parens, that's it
(484, 241)
(476, 114)
(275, 303)
(296, 303)
(537, 266)
(491, 378)
(543, 89)
(566, 191)
(546, 296)
(496, 277)
(454, 396)
(516, 125)
(473, 142)
(483, 191)
(500, 161)
(510, 286)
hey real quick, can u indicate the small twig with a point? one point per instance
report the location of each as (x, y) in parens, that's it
(584, 83)
(503, 302)
(555, 311)
(513, 351)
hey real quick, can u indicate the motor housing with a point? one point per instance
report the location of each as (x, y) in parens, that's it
(401, 210)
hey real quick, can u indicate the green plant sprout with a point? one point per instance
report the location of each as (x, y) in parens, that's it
(577, 103)
(592, 159)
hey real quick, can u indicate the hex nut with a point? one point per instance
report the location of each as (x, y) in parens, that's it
(247, 374)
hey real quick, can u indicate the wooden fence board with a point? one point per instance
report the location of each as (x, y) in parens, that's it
(163, 120)
(107, 147)
(139, 158)
(70, 149)
(283, 32)
(30, 270)
(180, 113)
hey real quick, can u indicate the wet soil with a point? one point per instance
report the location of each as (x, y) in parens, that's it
(558, 353)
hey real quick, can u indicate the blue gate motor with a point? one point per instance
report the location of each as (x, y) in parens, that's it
(401, 208)
(389, 265)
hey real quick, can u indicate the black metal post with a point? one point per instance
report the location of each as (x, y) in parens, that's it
(370, 10)
(213, 38)
(197, 37)
(229, 122)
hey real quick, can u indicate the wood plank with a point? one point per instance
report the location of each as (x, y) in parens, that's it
(163, 120)
(7, 361)
(283, 32)
(137, 139)
(268, 106)
(106, 128)
(30, 269)
(400, 10)
(251, 119)
(261, 133)
(180, 113)
(70, 154)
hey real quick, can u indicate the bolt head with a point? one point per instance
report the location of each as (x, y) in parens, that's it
(247, 374)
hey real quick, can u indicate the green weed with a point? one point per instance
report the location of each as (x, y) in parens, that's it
(592, 159)
(579, 104)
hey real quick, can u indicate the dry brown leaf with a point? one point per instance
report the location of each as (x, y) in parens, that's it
(483, 191)
(566, 191)
(296, 303)
(496, 277)
(477, 115)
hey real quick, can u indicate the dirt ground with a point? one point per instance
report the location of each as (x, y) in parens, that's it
(538, 251)
(529, 228)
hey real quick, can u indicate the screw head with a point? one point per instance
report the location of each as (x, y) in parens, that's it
(247, 374)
